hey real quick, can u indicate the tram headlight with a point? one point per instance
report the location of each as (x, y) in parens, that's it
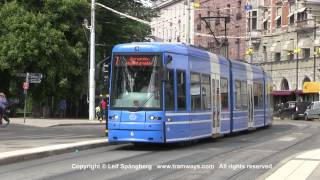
(114, 117)
(152, 117)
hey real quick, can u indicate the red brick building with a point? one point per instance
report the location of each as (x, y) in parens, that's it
(235, 25)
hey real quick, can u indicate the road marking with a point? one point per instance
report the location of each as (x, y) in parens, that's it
(286, 138)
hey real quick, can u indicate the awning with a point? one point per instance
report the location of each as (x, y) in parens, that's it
(277, 18)
(288, 46)
(290, 14)
(282, 93)
(301, 10)
(275, 47)
(305, 43)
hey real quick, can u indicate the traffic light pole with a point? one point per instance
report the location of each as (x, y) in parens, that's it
(25, 99)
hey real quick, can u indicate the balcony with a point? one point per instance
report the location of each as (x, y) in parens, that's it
(255, 34)
(305, 24)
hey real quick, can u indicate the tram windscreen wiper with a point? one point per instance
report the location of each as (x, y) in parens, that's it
(139, 108)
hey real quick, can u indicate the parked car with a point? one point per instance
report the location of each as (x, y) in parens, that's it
(293, 110)
(313, 111)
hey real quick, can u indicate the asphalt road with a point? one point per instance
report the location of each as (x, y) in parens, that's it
(223, 158)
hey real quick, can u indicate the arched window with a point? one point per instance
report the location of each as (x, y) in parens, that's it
(284, 84)
(306, 79)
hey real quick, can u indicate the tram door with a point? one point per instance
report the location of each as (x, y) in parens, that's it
(250, 105)
(216, 104)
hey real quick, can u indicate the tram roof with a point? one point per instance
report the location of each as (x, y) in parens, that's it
(159, 47)
(178, 48)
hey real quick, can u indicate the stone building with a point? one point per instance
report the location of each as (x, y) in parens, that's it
(284, 36)
(172, 23)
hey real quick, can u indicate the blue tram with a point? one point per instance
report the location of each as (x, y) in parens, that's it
(165, 92)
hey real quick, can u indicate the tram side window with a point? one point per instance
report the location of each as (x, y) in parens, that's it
(258, 98)
(224, 94)
(170, 91)
(244, 95)
(195, 91)
(237, 95)
(205, 92)
(181, 90)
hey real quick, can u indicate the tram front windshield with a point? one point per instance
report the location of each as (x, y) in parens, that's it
(136, 82)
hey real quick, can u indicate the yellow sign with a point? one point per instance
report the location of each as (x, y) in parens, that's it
(196, 4)
(311, 87)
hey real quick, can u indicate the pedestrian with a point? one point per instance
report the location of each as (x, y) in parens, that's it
(103, 107)
(3, 106)
(98, 112)
(62, 108)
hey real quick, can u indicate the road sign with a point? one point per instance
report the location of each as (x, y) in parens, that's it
(35, 75)
(34, 80)
(25, 86)
(248, 7)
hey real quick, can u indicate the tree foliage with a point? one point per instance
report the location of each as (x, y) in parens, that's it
(48, 37)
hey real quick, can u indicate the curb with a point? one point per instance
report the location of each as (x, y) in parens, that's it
(45, 151)
(80, 124)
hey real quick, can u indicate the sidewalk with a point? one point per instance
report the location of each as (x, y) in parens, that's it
(305, 165)
(38, 122)
(37, 138)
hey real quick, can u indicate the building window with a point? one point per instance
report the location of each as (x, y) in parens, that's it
(277, 56)
(306, 53)
(181, 90)
(264, 50)
(302, 15)
(217, 21)
(254, 20)
(228, 14)
(290, 55)
(278, 22)
(291, 20)
(265, 25)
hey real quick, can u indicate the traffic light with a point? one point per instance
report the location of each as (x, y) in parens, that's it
(105, 71)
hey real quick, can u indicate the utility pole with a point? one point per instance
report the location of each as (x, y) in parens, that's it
(188, 22)
(92, 88)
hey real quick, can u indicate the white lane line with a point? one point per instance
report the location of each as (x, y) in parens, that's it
(286, 138)
(314, 154)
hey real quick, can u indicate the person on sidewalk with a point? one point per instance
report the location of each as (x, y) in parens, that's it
(103, 107)
(98, 112)
(3, 106)
(62, 108)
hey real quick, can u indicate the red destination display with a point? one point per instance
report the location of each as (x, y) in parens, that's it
(136, 60)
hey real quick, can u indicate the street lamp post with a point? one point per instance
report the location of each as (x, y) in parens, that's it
(92, 64)
(92, 84)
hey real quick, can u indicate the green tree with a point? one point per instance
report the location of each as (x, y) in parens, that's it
(47, 36)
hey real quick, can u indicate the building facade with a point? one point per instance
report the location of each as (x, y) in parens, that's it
(284, 36)
(172, 24)
(224, 32)
(223, 17)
